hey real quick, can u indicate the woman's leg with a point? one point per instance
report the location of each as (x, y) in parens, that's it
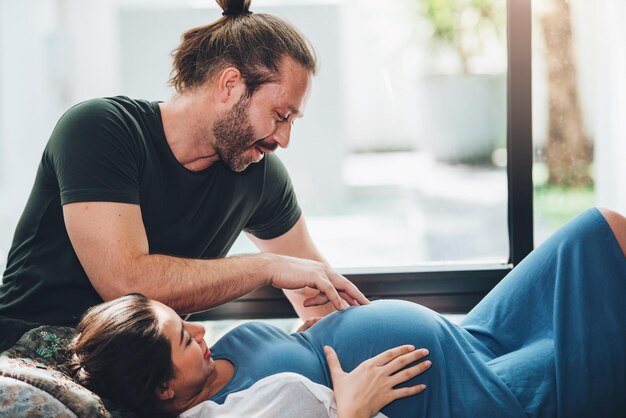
(595, 241)
(618, 225)
(571, 292)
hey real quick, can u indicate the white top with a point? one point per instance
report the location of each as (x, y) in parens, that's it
(285, 395)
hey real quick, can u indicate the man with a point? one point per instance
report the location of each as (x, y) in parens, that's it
(133, 196)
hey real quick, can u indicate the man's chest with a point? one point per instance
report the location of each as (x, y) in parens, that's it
(197, 218)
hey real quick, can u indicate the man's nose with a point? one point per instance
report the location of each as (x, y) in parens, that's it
(282, 135)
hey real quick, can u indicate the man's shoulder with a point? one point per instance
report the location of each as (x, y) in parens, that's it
(102, 124)
(108, 118)
(110, 108)
(274, 167)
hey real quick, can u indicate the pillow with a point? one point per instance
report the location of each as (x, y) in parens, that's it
(38, 359)
(19, 399)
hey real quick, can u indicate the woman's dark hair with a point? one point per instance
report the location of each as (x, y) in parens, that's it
(119, 352)
(253, 43)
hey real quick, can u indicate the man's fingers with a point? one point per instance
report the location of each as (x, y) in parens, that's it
(348, 288)
(318, 300)
(351, 301)
(321, 299)
(330, 293)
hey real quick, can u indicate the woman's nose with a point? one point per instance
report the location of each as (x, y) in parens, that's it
(198, 331)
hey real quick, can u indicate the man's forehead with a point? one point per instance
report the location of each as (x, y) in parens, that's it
(293, 110)
(280, 97)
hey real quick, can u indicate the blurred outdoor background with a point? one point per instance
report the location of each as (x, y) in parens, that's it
(401, 157)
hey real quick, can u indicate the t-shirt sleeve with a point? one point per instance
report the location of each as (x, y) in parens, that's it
(94, 155)
(280, 395)
(278, 209)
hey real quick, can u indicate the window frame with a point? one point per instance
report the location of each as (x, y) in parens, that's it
(451, 288)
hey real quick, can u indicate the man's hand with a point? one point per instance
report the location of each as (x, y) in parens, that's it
(369, 387)
(307, 301)
(292, 273)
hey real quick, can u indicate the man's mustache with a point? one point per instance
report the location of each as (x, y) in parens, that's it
(267, 145)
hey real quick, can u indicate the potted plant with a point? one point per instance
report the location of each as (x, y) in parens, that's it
(463, 92)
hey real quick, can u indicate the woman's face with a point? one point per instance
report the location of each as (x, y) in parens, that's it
(191, 357)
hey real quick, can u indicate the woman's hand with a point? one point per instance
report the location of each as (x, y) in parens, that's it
(365, 390)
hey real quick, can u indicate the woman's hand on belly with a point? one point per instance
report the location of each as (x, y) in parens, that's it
(370, 386)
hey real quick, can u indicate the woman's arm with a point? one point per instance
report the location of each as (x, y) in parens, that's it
(368, 388)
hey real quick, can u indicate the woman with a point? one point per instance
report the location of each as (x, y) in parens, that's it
(139, 353)
(549, 340)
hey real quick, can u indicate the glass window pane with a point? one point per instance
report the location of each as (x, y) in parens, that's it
(578, 94)
(400, 159)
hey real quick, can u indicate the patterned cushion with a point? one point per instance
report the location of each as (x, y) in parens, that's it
(19, 399)
(38, 359)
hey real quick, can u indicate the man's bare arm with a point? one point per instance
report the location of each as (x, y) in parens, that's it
(297, 242)
(111, 244)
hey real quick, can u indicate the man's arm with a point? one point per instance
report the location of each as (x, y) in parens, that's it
(112, 246)
(297, 242)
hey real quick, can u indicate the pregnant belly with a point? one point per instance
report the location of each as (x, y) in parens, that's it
(458, 384)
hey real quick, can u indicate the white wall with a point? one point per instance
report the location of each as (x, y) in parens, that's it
(28, 102)
(55, 53)
(610, 82)
(147, 37)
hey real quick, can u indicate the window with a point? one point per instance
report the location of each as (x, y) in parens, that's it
(420, 200)
(577, 142)
(401, 158)
(376, 132)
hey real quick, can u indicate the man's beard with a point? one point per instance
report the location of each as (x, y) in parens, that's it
(234, 137)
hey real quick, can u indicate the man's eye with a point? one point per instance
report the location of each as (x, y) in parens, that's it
(282, 118)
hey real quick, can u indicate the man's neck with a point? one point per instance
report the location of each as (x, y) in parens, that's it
(186, 122)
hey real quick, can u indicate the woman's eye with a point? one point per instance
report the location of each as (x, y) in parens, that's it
(188, 340)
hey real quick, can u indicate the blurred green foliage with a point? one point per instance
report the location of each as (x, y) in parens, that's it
(462, 24)
(557, 205)
(445, 15)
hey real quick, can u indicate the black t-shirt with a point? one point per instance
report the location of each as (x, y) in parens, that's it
(115, 150)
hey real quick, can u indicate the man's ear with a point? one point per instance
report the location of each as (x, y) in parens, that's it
(165, 391)
(230, 85)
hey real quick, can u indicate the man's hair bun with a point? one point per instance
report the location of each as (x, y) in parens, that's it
(235, 7)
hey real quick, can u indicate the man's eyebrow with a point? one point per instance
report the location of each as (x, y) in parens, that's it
(182, 332)
(295, 111)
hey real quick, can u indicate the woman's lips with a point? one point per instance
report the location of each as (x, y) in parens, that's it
(207, 354)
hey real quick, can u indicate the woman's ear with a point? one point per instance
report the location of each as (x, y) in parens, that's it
(165, 392)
